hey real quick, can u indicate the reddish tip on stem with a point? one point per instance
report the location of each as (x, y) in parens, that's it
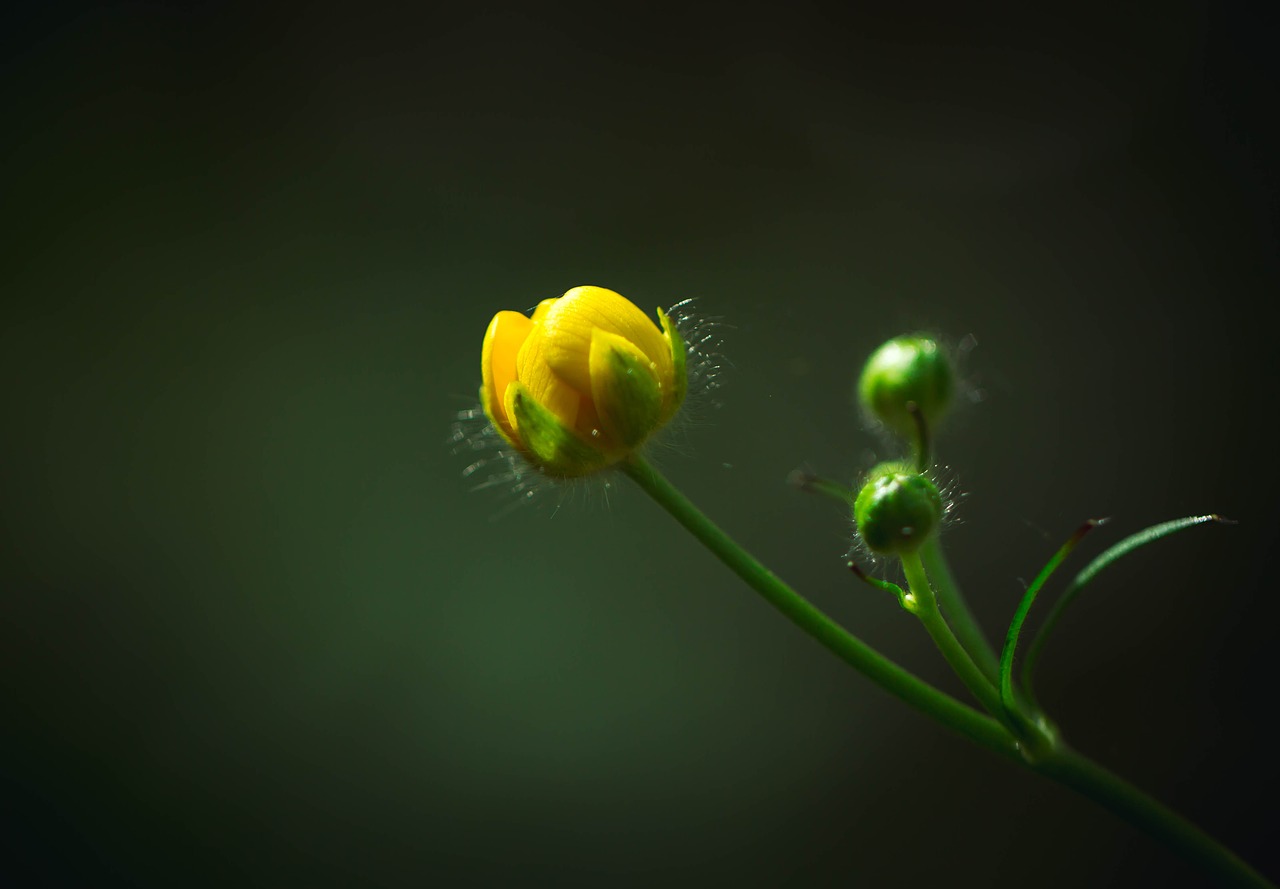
(1086, 528)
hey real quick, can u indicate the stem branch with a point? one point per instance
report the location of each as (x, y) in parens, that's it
(888, 675)
(956, 609)
(940, 632)
(1057, 762)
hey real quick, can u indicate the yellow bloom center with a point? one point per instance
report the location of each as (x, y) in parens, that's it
(589, 370)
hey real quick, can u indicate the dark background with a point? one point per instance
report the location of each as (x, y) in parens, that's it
(256, 629)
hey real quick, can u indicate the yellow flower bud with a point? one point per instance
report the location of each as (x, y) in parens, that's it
(583, 382)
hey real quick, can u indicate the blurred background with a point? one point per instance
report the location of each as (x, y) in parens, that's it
(257, 629)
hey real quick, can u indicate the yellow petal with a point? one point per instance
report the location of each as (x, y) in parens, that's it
(568, 324)
(508, 404)
(542, 384)
(507, 332)
(494, 409)
(540, 313)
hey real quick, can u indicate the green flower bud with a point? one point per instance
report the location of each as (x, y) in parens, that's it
(897, 509)
(906, 369)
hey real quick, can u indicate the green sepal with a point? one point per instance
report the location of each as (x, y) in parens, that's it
(624, 389)
(555, 449)
(679, 365)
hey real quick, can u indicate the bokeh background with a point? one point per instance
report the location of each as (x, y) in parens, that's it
(258, 631)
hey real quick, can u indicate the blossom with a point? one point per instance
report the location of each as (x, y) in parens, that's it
(583, 382)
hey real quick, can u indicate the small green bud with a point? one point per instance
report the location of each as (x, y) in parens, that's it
(897, 509)
(906, 369)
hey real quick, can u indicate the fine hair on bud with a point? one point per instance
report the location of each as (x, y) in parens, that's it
(705, 364)
(906, 374)
(897, 509)
(561, 430)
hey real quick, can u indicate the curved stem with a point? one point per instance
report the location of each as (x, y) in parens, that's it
(956, 609)
(1065, 766)
(888, 675)
(1089, 572)
(959, 659)
(1089, 779)
(1024, 608)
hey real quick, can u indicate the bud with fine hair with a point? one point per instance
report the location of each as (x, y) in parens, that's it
(897, 509)
(907, 370)
(583, 382)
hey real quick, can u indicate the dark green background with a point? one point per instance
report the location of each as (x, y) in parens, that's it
(256, 629)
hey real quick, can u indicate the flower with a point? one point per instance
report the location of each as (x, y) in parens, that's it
(583, 382)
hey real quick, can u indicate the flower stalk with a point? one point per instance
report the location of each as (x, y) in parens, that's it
(582, 383)
(956, 655)
(1054, 760)
(956, 609)
(982, 730)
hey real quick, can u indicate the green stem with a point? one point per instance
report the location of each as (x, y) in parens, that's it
(1112, 792)
(1024, 608)
(923, 453)
(952, 713)
(950, 599)
(1058, 763)
(956, 610)
(927, 610)
(1112, 555)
